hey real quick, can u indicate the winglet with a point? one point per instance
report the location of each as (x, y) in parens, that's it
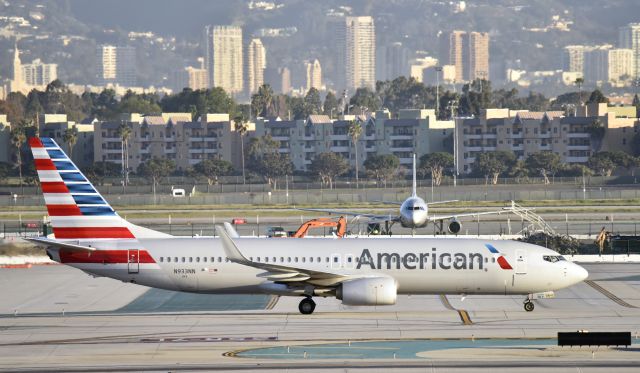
(227, 233)
(414, 193)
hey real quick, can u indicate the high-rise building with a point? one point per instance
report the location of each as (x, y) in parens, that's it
(596, 64)
(17, 84)
(469, 53)
(621, 67)
(393, 61)
(285, 79)
(478, 56)
(190, 77)
(314, 74)
(39, 74)
(629, 38)
(223, 57)
(257, 62)
(573, 58)
(116, 65)
(279, 79)
(359, 52)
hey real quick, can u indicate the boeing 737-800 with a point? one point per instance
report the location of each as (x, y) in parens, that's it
(413, 213)
(90, 236)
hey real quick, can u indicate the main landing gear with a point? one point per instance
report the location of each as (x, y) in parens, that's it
(528, 305)
(307, 306)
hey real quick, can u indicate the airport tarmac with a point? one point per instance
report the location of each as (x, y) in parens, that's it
(56, 318)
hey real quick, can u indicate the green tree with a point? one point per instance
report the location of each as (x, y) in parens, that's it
(155, 170)
(241, 126)
(602, 163)
(327, 166)
(434, 164)
(475, 96)
(364, 98)
(579, 82)
(543, 163)
(635, 144)
(262, 101)
(5, 170)
(70, 137)
(266, 160)
(124, 132)
(596, 132)
(330, 105)
(355, 131)
(98, 171)
(139, 103)
(312, 102)
(18, 138)
(382, 167)
(493, 164)
(212, 169)
(597, 97)
(199, 102)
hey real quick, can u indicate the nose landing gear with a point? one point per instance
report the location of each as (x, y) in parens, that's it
(307, 306)
(528, 304)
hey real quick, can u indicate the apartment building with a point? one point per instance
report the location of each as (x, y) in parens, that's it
(412, 131)
(525, 132)
(173, 136)
(56, 125)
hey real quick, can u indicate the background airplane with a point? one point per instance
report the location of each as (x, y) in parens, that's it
(413, 213)
(91, 236)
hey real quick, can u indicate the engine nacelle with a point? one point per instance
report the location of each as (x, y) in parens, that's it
(373, 291)
(454, 226)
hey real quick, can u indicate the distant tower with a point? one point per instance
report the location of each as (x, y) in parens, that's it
(359, 52)
(117, 65)
(314, 75)
(17, 84)
(629, 38)
(257, 62)
(285, 80)
(469, 53)
(223, 57)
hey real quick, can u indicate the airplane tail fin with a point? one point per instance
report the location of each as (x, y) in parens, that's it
(76, 209)
(414, 192)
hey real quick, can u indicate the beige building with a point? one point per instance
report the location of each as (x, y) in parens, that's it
(413, 131)
(314, 75)
(223, 57)
(359, 52)
(573, 58)
(257, 62)
(39, 74)
(116, 65)
(596, 64)
(171, 135)
(190, 77)
(469, 53)
(56, 125)
(524, 133)
(621, 67)
(418, 66)
(629, 38)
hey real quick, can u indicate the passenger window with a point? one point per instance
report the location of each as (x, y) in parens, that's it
(204, 259)
(493, 260)
(251, 258)
(168, 259)
(335, 259)
(213, 259)
(289, 259)
(303, 259)
(190, 259)
(295, 259)
(161, 259)
(349, 259)
(198, 259)
(319, 259)
(175, 259)
(258, 259)
(327, 259)
(183, 260)
(311, 260)
(281, 259)
(219, 259)
(274, 259)
(266, 259)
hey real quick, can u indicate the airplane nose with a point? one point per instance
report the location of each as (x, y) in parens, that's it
(578, 273)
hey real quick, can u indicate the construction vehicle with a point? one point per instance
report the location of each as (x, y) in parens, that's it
(340, 226)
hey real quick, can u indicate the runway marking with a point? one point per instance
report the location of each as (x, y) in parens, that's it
(609, 294)
(464, 315)
(273, 300)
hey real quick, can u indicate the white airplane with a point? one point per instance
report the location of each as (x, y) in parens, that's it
(90, 236)
(413, 213)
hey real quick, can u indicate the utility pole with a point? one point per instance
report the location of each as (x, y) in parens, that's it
(438, 70)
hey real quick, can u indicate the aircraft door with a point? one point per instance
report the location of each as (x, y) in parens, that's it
(521, 262)
(133, 260)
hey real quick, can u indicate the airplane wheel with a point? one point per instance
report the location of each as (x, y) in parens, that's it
(307, 306)
(528, 306)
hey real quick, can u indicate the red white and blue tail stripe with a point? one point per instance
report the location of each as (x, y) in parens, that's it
(76, 209)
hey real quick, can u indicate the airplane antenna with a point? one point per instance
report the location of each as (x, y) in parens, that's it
(415, 184)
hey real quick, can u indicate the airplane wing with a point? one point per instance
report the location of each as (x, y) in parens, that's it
(371, 217)
(474, 214)
(275, 272)
(58, 244)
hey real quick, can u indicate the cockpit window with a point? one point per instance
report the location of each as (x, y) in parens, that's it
(414, 208)
(553, 258)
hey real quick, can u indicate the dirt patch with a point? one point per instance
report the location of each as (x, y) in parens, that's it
(22, 249)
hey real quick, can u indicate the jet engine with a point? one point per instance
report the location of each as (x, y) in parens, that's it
(454, 226)
(372, 291)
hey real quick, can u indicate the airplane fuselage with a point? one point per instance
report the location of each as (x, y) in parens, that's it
(420, 266)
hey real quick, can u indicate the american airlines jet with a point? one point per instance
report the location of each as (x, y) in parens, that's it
(90, 236)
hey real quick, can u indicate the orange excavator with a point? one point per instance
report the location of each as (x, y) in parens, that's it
(340, 225)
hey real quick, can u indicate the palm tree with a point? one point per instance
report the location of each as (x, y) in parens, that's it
(18, 138)
(354, 131)
(241, 127)
(124, 132)
(579, 82)
(71, 138)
